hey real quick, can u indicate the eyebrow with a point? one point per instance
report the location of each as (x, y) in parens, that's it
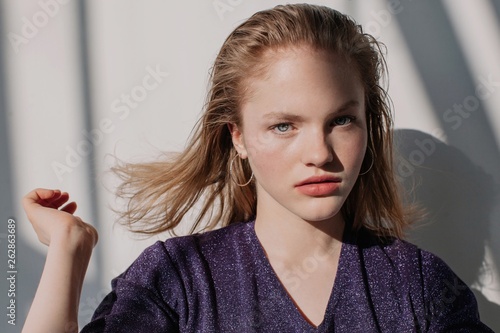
(283, 115)
(294, 117)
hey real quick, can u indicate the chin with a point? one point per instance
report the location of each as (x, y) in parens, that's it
(322, 212)
(319, 217)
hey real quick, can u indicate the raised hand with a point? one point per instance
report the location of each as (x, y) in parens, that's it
(70, 242)
(52, 218)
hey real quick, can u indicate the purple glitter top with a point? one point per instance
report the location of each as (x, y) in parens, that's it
(221, 281)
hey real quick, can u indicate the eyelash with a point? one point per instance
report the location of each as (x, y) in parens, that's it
(274, 128)
(349, 118)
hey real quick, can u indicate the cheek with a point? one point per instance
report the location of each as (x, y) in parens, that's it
(267, 156)
(350, 149)
(262, 141)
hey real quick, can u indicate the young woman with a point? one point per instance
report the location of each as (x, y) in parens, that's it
(293, 158)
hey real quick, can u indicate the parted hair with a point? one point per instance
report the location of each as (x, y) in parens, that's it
(197, 180)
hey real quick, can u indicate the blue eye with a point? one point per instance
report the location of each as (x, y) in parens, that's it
(342, 121)
(282, 128)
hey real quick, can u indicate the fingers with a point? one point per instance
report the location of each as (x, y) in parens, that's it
(38, 195)
(48, 198)
(69, 208)
(57, 201)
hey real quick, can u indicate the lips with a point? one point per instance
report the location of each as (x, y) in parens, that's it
(319, 185)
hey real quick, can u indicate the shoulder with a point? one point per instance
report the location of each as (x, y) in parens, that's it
(448, 301)
(410, 261)
(396, 252)
(214, 242)
(176, 250)
(182, 258)
(439, 298)
(217, 236)
(168, 275)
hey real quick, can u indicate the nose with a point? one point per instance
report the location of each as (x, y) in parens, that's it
(317, 150)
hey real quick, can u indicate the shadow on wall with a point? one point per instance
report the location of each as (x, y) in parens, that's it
(458, 199)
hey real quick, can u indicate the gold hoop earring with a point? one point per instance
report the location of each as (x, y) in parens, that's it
(231, 173)
(371, 165)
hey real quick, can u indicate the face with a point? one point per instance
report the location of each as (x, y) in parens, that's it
(303, 131)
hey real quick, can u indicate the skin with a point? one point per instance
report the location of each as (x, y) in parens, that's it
(304, 117)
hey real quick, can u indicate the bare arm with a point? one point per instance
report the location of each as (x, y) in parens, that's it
(70, 242)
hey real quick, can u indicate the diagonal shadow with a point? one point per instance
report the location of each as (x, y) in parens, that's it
(449, 83)
(458, 104)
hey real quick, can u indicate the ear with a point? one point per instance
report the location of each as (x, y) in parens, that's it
(238, 141)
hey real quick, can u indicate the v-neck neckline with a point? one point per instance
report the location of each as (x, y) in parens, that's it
(278, 285)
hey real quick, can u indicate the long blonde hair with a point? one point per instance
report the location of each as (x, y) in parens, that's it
(160, 194)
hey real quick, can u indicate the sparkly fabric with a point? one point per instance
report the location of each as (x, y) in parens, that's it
(221, 281)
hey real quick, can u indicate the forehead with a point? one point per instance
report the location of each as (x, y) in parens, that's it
(275, 55)
(300, 77)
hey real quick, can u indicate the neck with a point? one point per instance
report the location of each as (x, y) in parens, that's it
(291, 239)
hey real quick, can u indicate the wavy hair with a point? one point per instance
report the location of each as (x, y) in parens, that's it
(160, 194)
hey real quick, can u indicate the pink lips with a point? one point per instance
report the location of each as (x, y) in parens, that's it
(318, 185)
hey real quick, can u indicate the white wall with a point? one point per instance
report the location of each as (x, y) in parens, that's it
(127, 40)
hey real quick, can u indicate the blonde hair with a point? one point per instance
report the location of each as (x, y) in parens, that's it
(160, 194)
